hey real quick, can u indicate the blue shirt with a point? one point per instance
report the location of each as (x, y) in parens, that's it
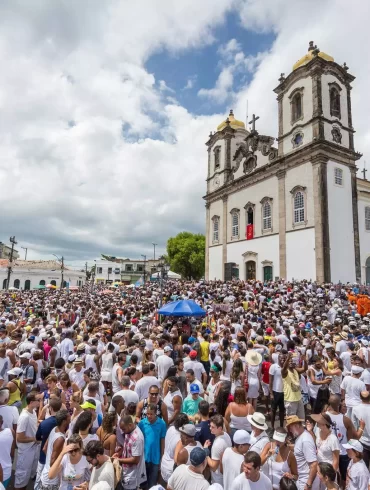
(43, 433)
(153, 433)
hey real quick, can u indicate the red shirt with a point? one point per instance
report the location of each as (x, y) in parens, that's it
(265, 372)
(47, 349)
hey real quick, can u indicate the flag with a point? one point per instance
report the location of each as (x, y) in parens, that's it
(139, 282)
(249, 232)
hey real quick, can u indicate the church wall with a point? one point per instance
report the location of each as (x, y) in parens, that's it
(216, 209)
(342, 251)
(329, 137)
(254, 194)
(306, 131)
(299, 176)
(300, 254)
(364, 234)
(215, 263)
(266, 248)
(325, 80)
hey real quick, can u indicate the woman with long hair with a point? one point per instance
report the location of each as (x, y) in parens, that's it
(215, 373)
(237, 375)
(222, 397)
(83, 426)
(227, 365)
(328, 448)
(237, 412)
(75, 406)
(278, 459)
(106, 433)
(327, 476)
(67, 389)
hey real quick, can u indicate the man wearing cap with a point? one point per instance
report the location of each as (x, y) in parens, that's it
(191, 379)
(197, 367)
(351, 388)
(28, 370)
(163, 363)
(233, 457)
(191, 402)
(76, 374)
(305, 454)
(259, 427)
(190, 477)
(186, 444)
(342, 344)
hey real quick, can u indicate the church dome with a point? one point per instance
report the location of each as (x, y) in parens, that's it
(234, 123)
(310, 55)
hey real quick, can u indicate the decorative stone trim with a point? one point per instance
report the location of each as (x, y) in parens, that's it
(303, 190)
(263, 201)
(233, 212)
(312, 120)
(296, 141)
(297, 91)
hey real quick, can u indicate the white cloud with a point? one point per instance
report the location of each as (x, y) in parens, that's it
(163, 87)
(191, 81)
(222, 89)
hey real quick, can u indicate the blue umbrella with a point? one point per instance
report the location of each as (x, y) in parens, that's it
(184, 307)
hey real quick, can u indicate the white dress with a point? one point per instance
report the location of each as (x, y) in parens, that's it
(254, 382)
(107, 366)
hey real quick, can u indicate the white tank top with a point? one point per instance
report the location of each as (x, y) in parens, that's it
(168, 400)
(274, 470)
(339, 430)
(90, 363)
(46, 481)
(189, 450)
(115, 384)
(240, 422)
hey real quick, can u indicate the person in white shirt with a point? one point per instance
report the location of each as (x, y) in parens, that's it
(251, 478)
(163, 363)
(277, 390)
(66, 346)
(197, 367)
(185, 477)
(351, 388)
(221, 442)
(357, 473)
(143, 385)
(342, 344)
(128, 395)
(76, 375)
(233, 457)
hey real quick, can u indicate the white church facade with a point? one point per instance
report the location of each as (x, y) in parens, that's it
(295, 210)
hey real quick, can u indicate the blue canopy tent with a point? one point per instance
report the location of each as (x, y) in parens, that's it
(184, 307)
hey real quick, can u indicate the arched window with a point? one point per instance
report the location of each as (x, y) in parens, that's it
(267, 215)
(216, 229)
(53, 283)
(27, 285)
(297, 107)
(250, 216)
(4, 283)
(217, 152)
(299, 207)
(335, 102)
(234, 223)
(17, 283)
(367, 218)
(42, 282)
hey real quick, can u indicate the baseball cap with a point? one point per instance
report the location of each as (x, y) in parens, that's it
(194, 388)
(193, 354)
(189, 430)
(191, 340)
(241, 436)
(88, 404)
(167, 348)
(357, 369)
(15, 371)
(25, 355)
(352, 444)
(198, 456)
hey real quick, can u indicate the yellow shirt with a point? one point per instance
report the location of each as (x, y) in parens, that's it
(204, 351)
(292, 387)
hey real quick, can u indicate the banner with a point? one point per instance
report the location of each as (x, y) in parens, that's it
(249, 233)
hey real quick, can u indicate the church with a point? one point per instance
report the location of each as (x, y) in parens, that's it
(295, 209)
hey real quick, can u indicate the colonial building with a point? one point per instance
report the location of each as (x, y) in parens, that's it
(297, 209)
(114, 269)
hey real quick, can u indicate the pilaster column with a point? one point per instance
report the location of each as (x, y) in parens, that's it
(280, 174)
(281, 124)
(321, 218)
(349, 111)
(318, 125)
(356, 234)
(208, 223)
(224, 234)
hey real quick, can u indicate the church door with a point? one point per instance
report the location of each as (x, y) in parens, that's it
(250, 270)
(27, 285)
(368, 271)
(267, 273)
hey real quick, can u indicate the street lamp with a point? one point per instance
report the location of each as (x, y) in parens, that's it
(61, 268)
(163, 273)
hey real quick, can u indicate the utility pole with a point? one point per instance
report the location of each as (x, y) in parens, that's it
(13, 242)
(61, 268)
(154, 245)
(144, 256)
(25, 255)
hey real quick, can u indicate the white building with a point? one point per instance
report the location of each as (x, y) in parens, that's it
(124, 270)
(27, 274)
(298, 210)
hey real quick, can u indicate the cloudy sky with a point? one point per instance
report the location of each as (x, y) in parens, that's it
(105, 107)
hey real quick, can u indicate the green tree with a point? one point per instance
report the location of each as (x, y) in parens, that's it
(186, 254)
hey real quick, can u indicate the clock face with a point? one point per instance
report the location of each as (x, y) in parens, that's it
(217, 182)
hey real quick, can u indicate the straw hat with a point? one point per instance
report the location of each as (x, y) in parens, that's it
(293, 419)
(253, 358)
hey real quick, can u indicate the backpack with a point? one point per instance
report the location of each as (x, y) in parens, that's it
(34, 373)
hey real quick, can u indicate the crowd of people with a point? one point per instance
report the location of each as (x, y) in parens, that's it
(269, 390)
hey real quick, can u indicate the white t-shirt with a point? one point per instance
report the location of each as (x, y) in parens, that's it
(219, 446)
(183, 479)
(27, 423)
(170, 442)
(277, 383)
(73, 473)
(197, 367)
(305, 453)
(198, 383)
(163, 363)
(341, 346)
(6, 442)
(358, 476)
(143, 385)
(10, 416)
(128, 395)
(242, 483)
(352, 388)
(134, 475)
(326, 447)
(231, 464)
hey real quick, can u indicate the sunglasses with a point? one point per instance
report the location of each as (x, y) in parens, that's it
(153, 394)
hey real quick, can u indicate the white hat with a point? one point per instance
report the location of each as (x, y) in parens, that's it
(278, 436)
(253, 358)
(167, 349)
(241, 436)
(15, 371)
(258, 420)
(25, 355)
(357, 369)
(353, 444)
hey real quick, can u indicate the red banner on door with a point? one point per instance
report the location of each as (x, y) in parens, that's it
(249, 233)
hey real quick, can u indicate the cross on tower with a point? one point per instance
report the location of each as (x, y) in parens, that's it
(253, 122)
(364, 172)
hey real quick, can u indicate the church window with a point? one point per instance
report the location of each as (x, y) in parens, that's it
(234, 223)
(338, 176)
(297, 139)
(299, 207)
(367, 218)
(217, 152)
(266, 213)
(334, 102)
(216, 228)
(297, 107)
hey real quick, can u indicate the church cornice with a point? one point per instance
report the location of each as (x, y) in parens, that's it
(312, 120)
(226, 133)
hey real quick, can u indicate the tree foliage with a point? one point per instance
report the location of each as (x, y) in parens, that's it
(186, 254)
